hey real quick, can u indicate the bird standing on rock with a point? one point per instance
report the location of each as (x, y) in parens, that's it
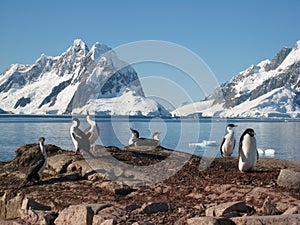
(93, 130)
(79, 138)
(228, 142)
(38, 164)
(248, 154)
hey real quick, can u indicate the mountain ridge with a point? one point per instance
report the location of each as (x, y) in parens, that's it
(255, 92)
(68, 82)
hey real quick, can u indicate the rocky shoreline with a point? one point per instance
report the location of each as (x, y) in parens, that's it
(147, 186)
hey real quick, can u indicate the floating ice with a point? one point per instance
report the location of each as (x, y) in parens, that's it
(270, 152)
(203, 144)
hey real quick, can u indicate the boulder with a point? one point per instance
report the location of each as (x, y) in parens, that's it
(115, 187)
(209, 221)
(29, 203)
(292, 210)
(97, 219)
(107, 215)
(75, 214)
(11, 222)
(268, 208)
(289, 178)
(60, 162)
(106, 222)
(82, 166)
(229, 208)
(37, 217)
(9, 207)
(154, 207)
(274, 220)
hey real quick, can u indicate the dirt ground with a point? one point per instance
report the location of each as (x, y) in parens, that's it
(191, 190)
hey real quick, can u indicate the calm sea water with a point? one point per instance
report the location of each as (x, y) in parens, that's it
(280, 135)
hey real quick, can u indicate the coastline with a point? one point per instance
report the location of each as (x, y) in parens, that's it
(135, 196)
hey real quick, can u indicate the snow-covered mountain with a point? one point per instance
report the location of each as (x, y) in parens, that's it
(268, 89)
(79, 79)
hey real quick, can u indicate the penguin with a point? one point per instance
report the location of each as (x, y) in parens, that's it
(38, 164)
(134, 136)
(79, 138)
(93, 130)
(137, 141)
(248, 154)
(228, 142)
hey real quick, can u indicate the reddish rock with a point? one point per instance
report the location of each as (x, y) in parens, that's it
(292, 210)
(227, 208)
(203, 221)
(29, 203)
(98, 220)
(209, 221)
(38, 217)
(274, 220)
(289, 178)
(75, 214)
(154, 207)
(268, 208)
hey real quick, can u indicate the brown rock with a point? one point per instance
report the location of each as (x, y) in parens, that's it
(115, 187)
(208, 221)
(227, 208)
(38, 217)
(154, 207)
(268, 208)
(82, 166)
(75, 214)
(274, 220)
(60, 162)
(292, 210)
(109, 222)
(29, 203)
(111, 212)
(98, 220)
(289, 178)
(203, 221)
(11, 222)
(9, 208)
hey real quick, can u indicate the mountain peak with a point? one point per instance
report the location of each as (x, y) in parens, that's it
(79, 43)
(98, 49)
(268, 89)
(279, 58)
(70, 82)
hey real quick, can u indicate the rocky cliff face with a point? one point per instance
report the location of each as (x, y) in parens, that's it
(61, 84)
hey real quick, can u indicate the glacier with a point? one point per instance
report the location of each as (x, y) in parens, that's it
(79, 79)
(270, 88)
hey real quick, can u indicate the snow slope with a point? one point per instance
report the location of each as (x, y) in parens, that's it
(79, 79)
(269, 89)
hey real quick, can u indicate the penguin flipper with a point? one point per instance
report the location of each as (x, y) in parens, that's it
(234, 142)
(222, 146)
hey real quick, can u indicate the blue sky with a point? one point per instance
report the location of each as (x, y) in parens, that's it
(228, 35)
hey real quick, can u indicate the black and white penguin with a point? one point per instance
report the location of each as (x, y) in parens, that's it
(38, 164)
(248, 154)
(79, 138)
(228, 142)
(134, 136)
(137, 141)
(93, 130)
